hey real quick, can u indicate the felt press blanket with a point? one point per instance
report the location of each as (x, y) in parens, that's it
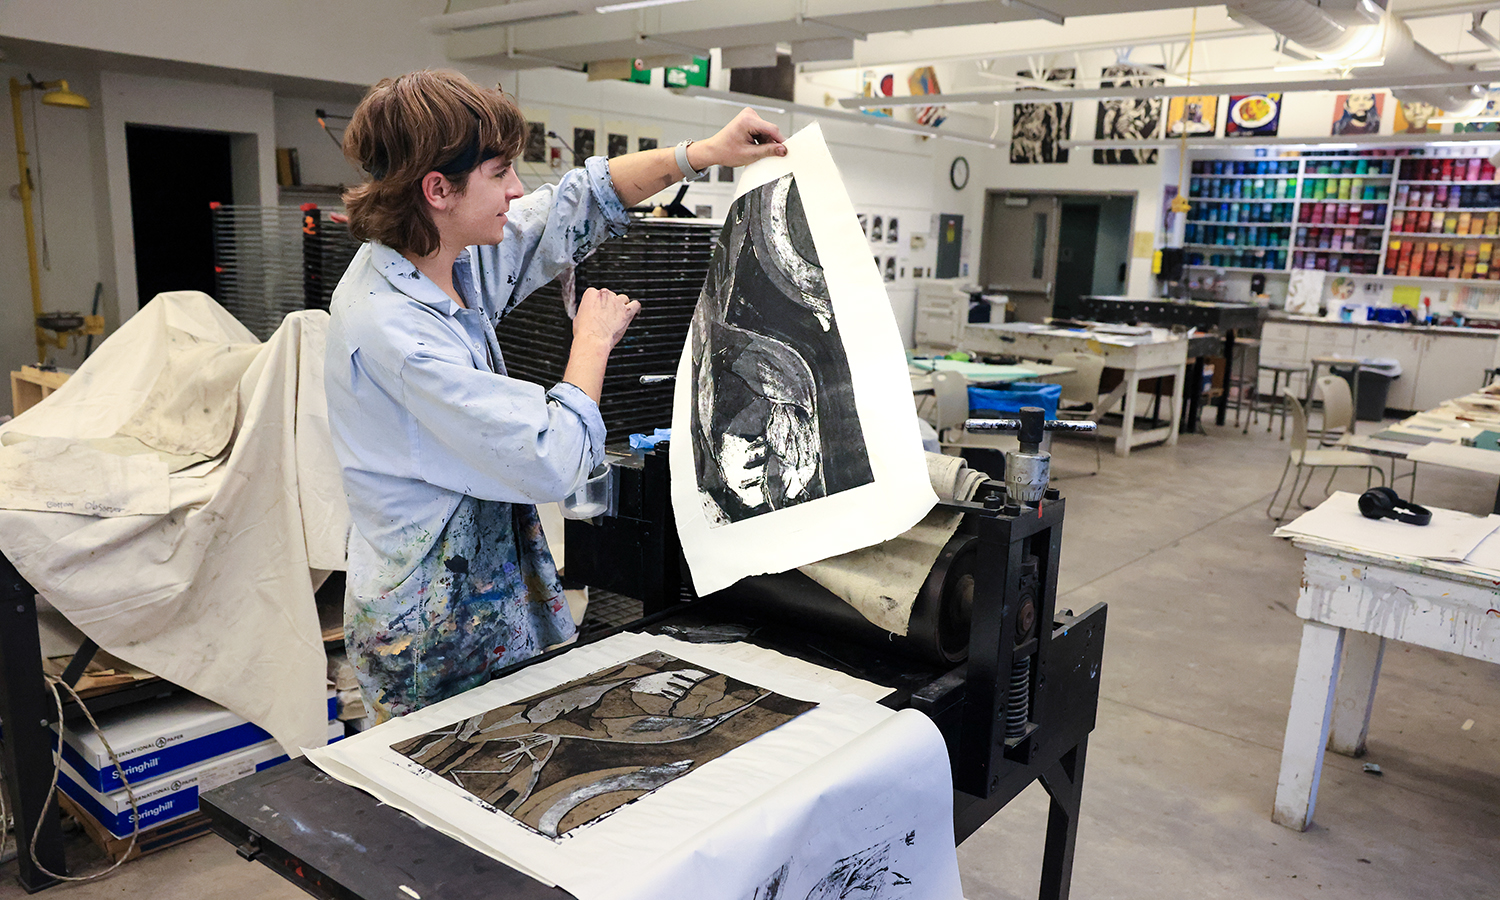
(194, 500)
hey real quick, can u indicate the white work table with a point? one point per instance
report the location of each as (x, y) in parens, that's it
(1352, 602)
(1138, 358)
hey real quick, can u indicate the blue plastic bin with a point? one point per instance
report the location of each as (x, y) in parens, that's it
(1010, 398)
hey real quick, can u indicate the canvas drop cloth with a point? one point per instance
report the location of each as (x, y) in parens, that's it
(850, 795)
(203, 575)
(882, 581)
(793, 330)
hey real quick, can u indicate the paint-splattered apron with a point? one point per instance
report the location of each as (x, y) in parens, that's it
(486, 595)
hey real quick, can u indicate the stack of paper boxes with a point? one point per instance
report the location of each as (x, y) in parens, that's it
(171, 750)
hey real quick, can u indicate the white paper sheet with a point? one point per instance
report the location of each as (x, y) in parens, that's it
(835, 781)
(721, 549)
(1450, 536)
(62, 475)
(216, 592)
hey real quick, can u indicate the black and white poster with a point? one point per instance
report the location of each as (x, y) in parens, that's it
(1038, 128)
(792, 389)
(767, 432)
(1128, 120)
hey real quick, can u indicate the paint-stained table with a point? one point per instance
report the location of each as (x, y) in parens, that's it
(1352, 602)
(1138, 357)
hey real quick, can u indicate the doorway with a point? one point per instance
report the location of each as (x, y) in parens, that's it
(1047, 250)
(174, 175)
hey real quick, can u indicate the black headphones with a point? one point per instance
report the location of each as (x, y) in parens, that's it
(1384, 503)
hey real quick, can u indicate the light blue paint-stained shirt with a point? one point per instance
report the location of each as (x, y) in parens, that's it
(424, 421)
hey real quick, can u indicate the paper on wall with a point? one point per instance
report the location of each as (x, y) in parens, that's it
(805, 447)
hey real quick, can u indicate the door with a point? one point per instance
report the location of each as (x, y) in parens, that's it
(174, 175)
(950, 245)
(1077, 245)
(1020, 251)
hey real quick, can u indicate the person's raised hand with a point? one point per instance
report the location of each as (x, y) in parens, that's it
(745, 139)
(603, 317)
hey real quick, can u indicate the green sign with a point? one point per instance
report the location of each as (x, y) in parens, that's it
(694, 74)
(638, 72)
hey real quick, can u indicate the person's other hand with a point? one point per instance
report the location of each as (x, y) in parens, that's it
(603, 317)
(745, 139)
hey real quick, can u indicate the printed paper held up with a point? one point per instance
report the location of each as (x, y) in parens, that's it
(795, 428)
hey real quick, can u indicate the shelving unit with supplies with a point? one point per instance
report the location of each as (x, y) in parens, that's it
(1376, 214)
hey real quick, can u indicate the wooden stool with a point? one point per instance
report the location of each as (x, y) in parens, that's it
(1241, 371)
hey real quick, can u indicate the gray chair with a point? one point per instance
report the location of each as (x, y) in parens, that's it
(1338, 409)
(1311, 460)
(951, 391)
(1080, 401)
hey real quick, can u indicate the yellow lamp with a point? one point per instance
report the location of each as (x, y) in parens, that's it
(56, 93)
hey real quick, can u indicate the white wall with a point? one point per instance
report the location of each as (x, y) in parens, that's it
(346, 41)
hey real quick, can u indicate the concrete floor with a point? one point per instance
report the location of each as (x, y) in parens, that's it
(1201, 648)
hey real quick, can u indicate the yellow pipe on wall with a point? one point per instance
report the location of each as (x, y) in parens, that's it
(24, 168)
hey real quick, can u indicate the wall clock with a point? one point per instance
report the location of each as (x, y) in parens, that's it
(958, 173)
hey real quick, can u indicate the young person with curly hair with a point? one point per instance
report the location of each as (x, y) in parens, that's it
(443, 455)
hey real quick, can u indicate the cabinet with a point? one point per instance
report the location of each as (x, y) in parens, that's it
(1435, 365)
(942, 312)
(1452, 365)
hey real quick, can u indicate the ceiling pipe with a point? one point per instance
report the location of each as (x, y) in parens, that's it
(1386, 36)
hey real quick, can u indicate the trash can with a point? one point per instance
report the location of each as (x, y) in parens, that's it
(1375, 377)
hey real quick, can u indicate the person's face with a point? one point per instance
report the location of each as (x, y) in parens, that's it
(1359, 104)
(1418, 113)
(477, 216)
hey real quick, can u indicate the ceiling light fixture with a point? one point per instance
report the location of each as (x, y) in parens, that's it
(634, 4)
(733, 98)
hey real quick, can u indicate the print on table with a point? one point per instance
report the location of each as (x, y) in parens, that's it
(870, 873)
(774, 422)
(573, 754)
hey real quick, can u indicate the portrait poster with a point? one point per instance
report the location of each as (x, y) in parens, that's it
(1038, 129)
(795, 426)
(1411, 117)
(1128, 120)
(827, 792)
(1487, 120)
(1253, 115)
(1195, 116)
(1357, 113)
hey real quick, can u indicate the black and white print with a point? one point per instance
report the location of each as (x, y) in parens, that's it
(774, 422)
(1128, 120)
(571, 755)
(1038, 128)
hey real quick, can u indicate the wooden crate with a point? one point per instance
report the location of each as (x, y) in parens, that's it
(31, 385)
